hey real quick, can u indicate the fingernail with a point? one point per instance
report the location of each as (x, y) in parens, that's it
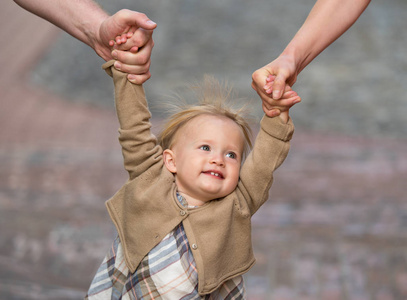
(151, 22)
(114, 54)
(117, 65)
(276, 94)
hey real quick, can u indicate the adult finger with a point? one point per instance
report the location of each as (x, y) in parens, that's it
(134, 18)
(271, 112)
(259, 79)
(282, 105)
(139, 58)
(279, 85)
(139, 79)
(133, 69)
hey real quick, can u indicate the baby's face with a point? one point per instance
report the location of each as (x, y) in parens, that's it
(207, 154)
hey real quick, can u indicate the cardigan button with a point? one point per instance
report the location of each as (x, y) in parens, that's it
(182, 212)
(194, 246)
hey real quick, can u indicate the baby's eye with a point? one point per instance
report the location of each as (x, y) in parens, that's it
(205, 148)
(231, 155)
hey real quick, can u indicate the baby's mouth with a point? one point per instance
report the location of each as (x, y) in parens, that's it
(214, 173)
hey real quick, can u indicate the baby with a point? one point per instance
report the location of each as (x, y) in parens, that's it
(184, 215)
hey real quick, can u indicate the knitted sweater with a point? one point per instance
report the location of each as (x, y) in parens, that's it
(146, 209)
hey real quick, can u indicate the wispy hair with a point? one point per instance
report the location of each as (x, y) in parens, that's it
(211, 97)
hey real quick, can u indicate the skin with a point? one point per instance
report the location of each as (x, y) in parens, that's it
(288, 99)
(206, 158)
(89, 23)
(327, 21)
(130, 35)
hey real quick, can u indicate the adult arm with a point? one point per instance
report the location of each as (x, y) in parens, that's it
(89, 23)
(326, 22)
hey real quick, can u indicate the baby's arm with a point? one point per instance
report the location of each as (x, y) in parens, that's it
(268, 153)
(139, 146)
(270, 149)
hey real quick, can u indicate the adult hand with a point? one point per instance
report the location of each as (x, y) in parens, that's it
(285, 72)
(327, 21)
(131, 58)
(271, 83)
(89, 23)
(121, 22)
(136, 27)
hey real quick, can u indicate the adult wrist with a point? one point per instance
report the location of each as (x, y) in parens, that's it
(296, 58)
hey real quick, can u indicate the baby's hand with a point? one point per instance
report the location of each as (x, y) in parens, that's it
(132, 52)
(272, 107)
(120, 41)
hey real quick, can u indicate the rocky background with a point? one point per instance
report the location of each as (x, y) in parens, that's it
(335, 225)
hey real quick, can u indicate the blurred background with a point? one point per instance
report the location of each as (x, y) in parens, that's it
(336, 223)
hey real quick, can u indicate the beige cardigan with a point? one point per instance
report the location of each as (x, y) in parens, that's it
(145, 209)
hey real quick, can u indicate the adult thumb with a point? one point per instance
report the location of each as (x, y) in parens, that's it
(279, 86)
(133, 18)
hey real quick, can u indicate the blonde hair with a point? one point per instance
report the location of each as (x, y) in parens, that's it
(214, 98)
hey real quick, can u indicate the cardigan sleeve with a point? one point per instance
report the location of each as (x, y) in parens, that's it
(270, 150)
(139, 145)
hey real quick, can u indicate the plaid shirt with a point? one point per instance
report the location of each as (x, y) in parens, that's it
(168, 271)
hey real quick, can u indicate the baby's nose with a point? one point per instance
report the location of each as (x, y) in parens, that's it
(217, 159)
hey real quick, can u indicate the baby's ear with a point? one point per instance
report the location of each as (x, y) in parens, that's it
(169, 160)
